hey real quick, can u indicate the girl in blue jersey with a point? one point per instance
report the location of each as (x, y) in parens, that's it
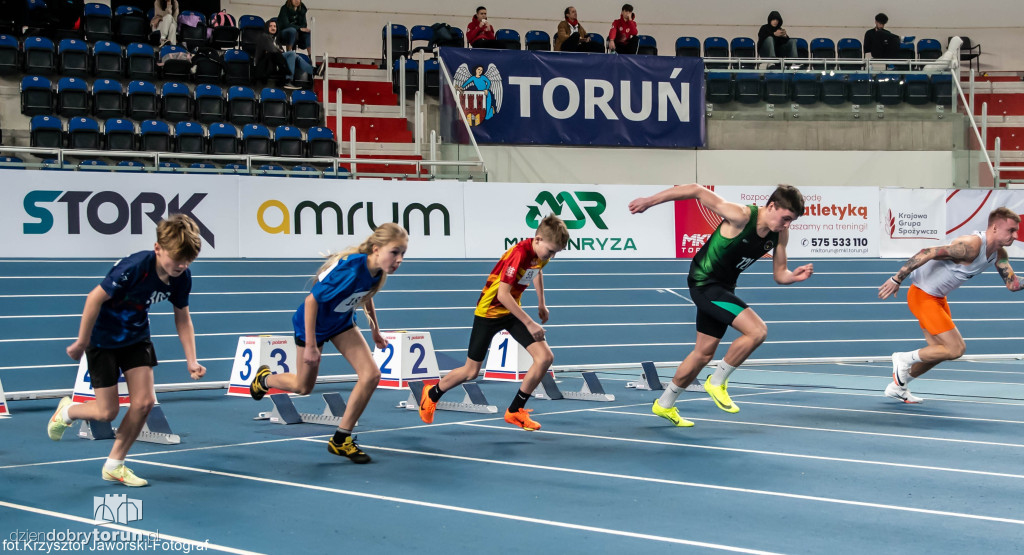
(345, 281)
(114, 336)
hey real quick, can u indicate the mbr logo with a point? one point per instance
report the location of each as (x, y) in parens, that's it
(564, 198)
(126, 213)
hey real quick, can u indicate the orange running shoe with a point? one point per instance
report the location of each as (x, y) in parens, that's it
(427, 406)
(522, 419)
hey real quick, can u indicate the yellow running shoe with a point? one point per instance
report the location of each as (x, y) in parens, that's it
(672, 415)
(348, 449)
(720, 395)
(56, 426)
(124, 475)
(257, 391)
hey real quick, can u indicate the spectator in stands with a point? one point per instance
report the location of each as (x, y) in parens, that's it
(773, 41)
(480, 33)
(622, 37)
(271, 57)
(572, 37)
(165, 20)
(293, 31)
(880, 42)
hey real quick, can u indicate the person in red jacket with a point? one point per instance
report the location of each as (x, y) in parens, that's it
(480, 32)
(622, 37)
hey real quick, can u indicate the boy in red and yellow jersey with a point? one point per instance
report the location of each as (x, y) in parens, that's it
(498, 309)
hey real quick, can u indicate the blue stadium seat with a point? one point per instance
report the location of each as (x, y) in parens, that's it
(928, 49)
(192, 36)
(202, 167)
(718, 87)
(142, 100)
(11, 163)
(131, 166)
(272, 170)
(249, 29)
(107, 99)
(343, 172)
(237, 67)
(646, 45)
(399, 41)
(302, 78)
(850, 48)
(130, 25)
(93, 165)
(538, 40)
(241, 105)
(208, 66)
(209, 103)
(509, 39)
(97, 22)
(223, 36)
(236, 168)
(420, 39)
(861, 88)
(432, 77)
(73, 57)
(889, 89)
(917, 90)
(594, 37)
(743, 47)
(834, 89)
(46, 132)
(141, 61)
(175, 102)
(175, 69)
(289, 142)
(10, 55)
(256, 140)
(942, 89)
(154, 136)
(777, 87)
(39, 55)
(305, 109)
(688, 47)
(321, 143)
(36, 96)
(119, 134)
(823, 48)
(171, 167)
(273, 107)
(53, 164)
(305, 171)
(190, 138)
(73, 97)
(806, 88)
(107, 60)
(716, 47)
(803, 50)
(223, 139)
(84, 133)
(748, 87)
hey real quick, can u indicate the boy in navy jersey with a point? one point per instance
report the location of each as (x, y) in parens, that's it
(114, 336)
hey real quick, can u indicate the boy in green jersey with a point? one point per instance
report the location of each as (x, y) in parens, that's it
(746, 234)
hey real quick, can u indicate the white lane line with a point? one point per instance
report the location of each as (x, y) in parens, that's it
(701, 485)
(456, 508)
(760, 452)
(145, 534)
(667, 290)
(905, 413)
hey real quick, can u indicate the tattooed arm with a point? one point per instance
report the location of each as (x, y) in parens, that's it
(963, 249)
(1006, 272)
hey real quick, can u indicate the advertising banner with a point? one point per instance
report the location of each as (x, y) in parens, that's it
(598, 218)
(967, 211)
(281, 221)
(912, 219)
(553, 98)
(837, 221)
(85, 215)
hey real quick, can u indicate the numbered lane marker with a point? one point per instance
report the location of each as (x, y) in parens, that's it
(409, 356)
(506, 359)
(253, 351)
(83, 386)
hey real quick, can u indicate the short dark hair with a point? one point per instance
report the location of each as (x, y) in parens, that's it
(478, 8)
(627, 7)
(882, 18)
(567, 11)
(789, 198)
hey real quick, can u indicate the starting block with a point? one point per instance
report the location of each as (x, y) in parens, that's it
(155, 430)
(4, 411)
(592, 390)
(408, 358)
(474, 401)
(253, 351)
(284, 411)
(507, 360)
(650, 381)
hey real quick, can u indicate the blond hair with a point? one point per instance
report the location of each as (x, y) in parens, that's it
(382, 236)
(1002, 213)
(553, 229)
(179, 236)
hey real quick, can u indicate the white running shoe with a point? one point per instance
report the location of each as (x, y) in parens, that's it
(900, 370)
(902, 393)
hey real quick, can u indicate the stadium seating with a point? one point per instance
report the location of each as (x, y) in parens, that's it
(36, 96)
(850, 49)
(73, 97)
(646, 45)
(10, 55)
(716, 47)
(175, 102)
(305, 171)
(748, 87)
(743, 47)
(192, 36)
(688, 47)
(83, 133)
(119, 134)
(249, 28)
(806, 88)
(777, 87)
(538, 40)
(93, 165)
(11, 162)
(46, 132)
(242, 105)
(509, 39)
(942, 89)
(97, 22)
(223, 139)
(107, 60)
(321, 143)
(39, 54)
(209, 103)
(928, 49)
(718, 87)
(834, 89)
(130, 25)
(256, 140)
(190, 138)
(274, 107)
(288, 142)
(917, 90)
(399, 41)
(107, 99)
(889, 89)
(237, 67)
(305, 109)
(141, 61)
(420, 37)
(174, 69)
(861, 88)
(142, 100)
(203, 167)
(73, 58)
(131, 166)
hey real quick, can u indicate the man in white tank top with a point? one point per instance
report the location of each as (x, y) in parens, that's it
(936, 272)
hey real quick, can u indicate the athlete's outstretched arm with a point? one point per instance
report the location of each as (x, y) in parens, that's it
(963, 249)
(780, 266)
(736, 214)
(1006, 272)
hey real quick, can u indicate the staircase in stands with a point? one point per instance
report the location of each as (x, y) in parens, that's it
(1005, 98)
(369, 104)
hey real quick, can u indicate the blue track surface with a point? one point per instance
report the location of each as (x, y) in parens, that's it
(817, 460)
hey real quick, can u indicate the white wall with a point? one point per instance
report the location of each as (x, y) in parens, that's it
(352, 29)
(532, 164)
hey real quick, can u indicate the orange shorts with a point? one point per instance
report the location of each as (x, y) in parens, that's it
(932, 312)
